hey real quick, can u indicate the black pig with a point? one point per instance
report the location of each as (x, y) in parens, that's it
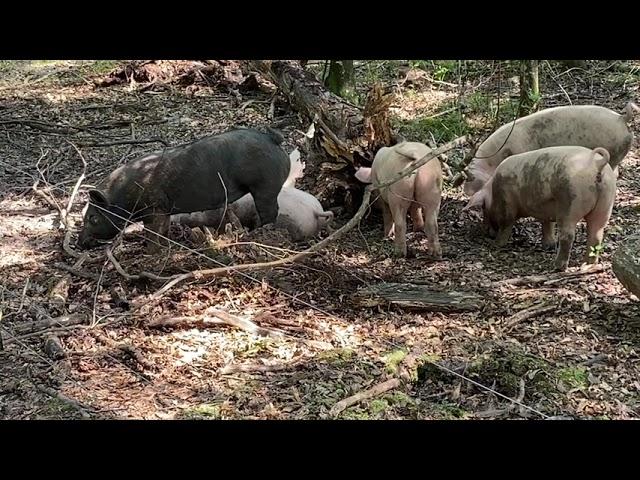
(202, 175)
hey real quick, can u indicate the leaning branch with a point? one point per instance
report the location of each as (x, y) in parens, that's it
(221, 271)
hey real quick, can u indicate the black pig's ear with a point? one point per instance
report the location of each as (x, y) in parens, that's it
(98, 197)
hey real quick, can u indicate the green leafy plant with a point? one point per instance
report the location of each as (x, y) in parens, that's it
(596, 251)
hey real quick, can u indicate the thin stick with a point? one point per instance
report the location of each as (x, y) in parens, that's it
(76, 272)
(363, 395)
(24, 294)
(219, 317)
(526, 314)
(65, 212)
(247, 325)
(121, 271)
(550, 278)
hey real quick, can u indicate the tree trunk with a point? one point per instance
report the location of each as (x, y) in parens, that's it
(341, 78)
(626, 264)
(345, 136)
(529, 87)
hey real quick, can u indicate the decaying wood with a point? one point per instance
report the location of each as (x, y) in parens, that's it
(53, 348)
(550, 278)
(164, 72)
(364, 395)
(198, 274)
(412, 296)
(526, 314)
(63, 321)
(309, 97)
(345, 135)
(626, 264)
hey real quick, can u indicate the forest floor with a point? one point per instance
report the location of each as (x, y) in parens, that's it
(578, 358)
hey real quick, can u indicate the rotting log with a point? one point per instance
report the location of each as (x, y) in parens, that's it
(345, 136)
(418, 297)
(626, 264)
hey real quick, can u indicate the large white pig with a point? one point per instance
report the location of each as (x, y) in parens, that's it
(418, 193)
(554, 184)
(588, 126)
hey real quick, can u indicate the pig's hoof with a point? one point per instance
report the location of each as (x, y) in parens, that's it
(548, 245)
(560, 267)
(400, 253)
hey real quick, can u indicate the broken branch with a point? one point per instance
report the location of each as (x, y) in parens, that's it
(526, 314)
(550, 278)
(363, 395)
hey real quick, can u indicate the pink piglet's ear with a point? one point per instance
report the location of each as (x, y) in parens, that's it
(476, 201)
(364, 174)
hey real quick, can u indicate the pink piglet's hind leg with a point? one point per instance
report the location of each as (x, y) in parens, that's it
(416, 217)
(399, 213)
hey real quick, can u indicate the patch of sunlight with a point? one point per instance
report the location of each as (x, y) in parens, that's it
(194, 344)
(25, 232)
(40, 64)
(412, 104)
(346, 335)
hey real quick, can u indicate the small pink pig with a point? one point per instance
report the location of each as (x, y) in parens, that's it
(418, 193)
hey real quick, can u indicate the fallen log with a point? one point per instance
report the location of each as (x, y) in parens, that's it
(412, 296)
(63, 321)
